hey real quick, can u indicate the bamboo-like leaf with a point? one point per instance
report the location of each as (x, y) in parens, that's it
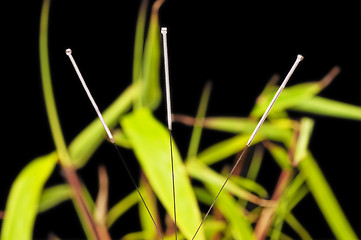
(276, 132)
(147, 226)
(23, 201)
(205, 174)
(121, 207)
(290, 96)
(255, 164)
(150, 141)
(303, 139)
(197, 128)
(50, 105)
(240, 226)
(325, 199)
(250, 186)
(330, 108)
(151, 91)
(53, 196)
(224, 149)
(139, 47)
(299, 229)
(120, 139)
(279, 154)
(294, 193)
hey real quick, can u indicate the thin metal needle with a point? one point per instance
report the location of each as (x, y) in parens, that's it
(261, 121)
(69, 53)
(280, 89)
(169, 117)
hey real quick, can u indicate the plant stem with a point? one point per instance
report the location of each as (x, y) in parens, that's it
(64, 157)
(265, 220)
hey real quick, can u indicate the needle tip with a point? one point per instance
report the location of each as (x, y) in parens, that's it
(164, 30)
(300, 57)
(68, 51)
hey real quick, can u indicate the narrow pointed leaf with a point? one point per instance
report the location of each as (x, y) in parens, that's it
(23, 201)
(139, 47)
(147, 226)
(224, 149)
(198, 126)
(276, 132)
(150, 141)
(330, 108)
(151, 91)
(53, 196)
(121, 207)
(240, 226)
(325, 199)
(205, 174)
(290, 96)
(46, 82)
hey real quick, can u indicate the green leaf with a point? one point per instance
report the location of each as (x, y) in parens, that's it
(205, 174)
(224, 149)
(23, 201)
(120, 139)
(139, 47)
(53, 196)
(279, 154)
(325, 199)
(121, 207)
(197, 128)
(303, 139)
(240, 226)
(250, 185)
(330, 108)
(290, 96)
(294, 193)
(48, 88)
(148, 226)
(150, 141)
(151, 91)
(255, 164)
(272, 131)
(88, 140)
(299, 229)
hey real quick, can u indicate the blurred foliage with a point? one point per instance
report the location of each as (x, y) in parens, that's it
(245, 209)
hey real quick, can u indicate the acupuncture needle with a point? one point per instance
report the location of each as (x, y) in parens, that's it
(69, 53)
(261, 121)
(169, 118)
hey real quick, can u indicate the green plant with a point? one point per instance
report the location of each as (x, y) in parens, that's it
(285, 138)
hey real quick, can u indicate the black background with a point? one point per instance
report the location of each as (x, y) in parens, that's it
(236, 46)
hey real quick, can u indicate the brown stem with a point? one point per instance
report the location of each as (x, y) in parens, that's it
(75, 186)
(101, 204)
(267, 214)
(265, 220)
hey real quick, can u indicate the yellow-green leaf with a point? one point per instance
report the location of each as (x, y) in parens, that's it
(272, 131)
(240, 226)
(150, 142)
(121, 207)
(201, 172)
(224, 149)
(53, 196)
(330, 108)
(23, 201)
(325, 199)
(151, 91)
(290, 96)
